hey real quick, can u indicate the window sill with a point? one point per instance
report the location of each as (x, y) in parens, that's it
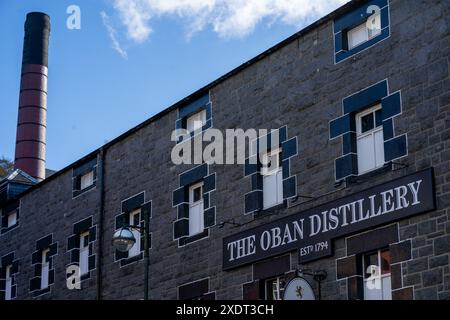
(7, 229)
(270, 211)
(193, 238)
(41, 292)
(126, 261)
(76, 193)
(370, 174)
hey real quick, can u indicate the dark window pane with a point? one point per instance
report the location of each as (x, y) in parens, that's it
(197, 194)
(370, 260)
(378, 119)
(367, 123)
(85, 241)
(136, 219)
(385, 262)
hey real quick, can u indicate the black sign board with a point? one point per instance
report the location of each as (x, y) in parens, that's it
(311, 231)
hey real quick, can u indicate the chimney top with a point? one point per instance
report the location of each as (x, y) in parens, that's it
(37, 30)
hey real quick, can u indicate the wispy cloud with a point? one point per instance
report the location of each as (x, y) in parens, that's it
(228, 18)
(113, 35)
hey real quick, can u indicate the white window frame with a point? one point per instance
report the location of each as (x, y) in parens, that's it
(12, 219)
(272, 180)
(368, 33)
(197, 225)
(372, 135)
(136, 248)
(386, 276)
(84, 254)
(45, 268)
(8, 283)
(87, 180)
(278, 291)
(196, 121)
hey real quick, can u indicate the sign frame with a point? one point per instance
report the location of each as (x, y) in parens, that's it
(372, 204)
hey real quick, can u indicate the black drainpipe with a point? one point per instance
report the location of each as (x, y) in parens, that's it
(101, 221)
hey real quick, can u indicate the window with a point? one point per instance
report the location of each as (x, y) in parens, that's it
(45, 268)
(377, 275)
(196, 121)
(369, 137)
(8, 283)
(135, 220)
(84, 177)
(84, 253)
(196, 218)
(360, 28)
(365, 31)
(86, 180)
(275, 288)
(12, 219)
(272, 179)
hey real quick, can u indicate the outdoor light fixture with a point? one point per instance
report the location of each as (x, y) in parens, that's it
(123, 240)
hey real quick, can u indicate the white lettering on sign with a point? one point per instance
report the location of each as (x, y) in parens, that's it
(242, 247)
(335, 220)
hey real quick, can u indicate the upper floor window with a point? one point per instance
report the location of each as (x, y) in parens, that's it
(365, 31)
(45, 268)
(12, 219)
(377, 275)
(196, 121)
(9, 217)
(135, 220)
(84, 177)
(194, 116)
(84, 253)
(196, 209)
(87, 180)
(360, 28)
(369, 139)
(272, 175)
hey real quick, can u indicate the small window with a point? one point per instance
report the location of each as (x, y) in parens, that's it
(86, 180)
(135, 220)
(369, 137)
(275, 288)
(12, 218)
(45, 268)
(8, 283)
(196, 218)
(84, 253)
(196, 121)
(365, 31)
(377, 275)
(272, 178)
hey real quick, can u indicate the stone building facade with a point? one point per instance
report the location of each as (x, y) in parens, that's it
(311, 88)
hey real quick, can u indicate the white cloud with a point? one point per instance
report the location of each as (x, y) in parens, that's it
(228, 18)
(113, 35)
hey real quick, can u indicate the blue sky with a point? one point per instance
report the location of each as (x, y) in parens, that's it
(165, 50)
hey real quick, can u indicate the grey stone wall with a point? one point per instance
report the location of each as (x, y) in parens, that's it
(299, 86)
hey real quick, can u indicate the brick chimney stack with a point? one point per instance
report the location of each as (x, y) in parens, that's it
(31, 124)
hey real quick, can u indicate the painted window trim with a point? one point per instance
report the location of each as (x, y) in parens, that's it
(80, 171)
(253, 200)
(202, 103)
(342, 24)
(134, 203)
(180, 201)
(344, 127)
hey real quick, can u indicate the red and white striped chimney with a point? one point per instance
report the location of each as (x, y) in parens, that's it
(31, 124)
